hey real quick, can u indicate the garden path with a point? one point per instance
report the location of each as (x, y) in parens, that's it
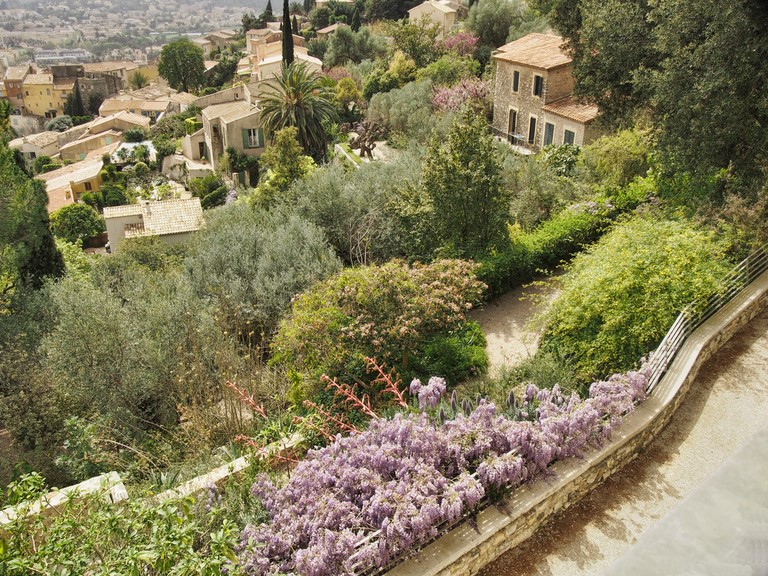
(505, 322)
(726, 406)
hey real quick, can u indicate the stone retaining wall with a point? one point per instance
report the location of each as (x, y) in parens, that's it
(468, 548)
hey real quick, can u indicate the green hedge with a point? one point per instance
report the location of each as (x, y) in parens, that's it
(551, 243)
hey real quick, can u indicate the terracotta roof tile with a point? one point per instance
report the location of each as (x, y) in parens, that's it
(160, 218)
(535, 50)
(571, 108)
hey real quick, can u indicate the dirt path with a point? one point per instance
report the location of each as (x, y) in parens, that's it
(505, 323)
(727, 404)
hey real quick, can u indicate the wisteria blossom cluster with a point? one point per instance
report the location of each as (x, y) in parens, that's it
(366, 499)
(467, 91)
(429, 396)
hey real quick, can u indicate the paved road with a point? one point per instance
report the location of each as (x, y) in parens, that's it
(726, 406)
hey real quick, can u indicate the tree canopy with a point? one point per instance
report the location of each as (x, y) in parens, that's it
(27, 251)
(462, 176)
(182, 65)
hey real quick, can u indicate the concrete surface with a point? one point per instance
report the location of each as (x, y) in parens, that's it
(726, 406)
(720, 528)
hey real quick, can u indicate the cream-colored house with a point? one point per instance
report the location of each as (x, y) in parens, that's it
(264, 42)
(79, 149)
(205, 44)
(172, 221)
(66, 185)
(232, 125)
(533, 103)
(435, 11)
(36, 145)
(272, 66)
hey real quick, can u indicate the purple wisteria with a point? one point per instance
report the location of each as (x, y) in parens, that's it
(429, 396)
(367, 498)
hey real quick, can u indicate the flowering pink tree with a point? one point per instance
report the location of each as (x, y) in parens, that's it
(461, 43)
(472, 91)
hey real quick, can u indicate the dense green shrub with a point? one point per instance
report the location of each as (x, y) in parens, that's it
(617, 159)
(455, 356)
(251, 263)
(390, 312)
(620, 296)
(357, 209)
(76, 222)
(553, 242)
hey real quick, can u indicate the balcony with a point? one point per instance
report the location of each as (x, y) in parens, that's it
(516, 141)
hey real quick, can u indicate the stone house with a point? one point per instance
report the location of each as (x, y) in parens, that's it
(533, 103)
(13, 82)
(172, 221)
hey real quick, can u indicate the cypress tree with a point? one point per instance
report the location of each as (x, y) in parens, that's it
(287, 36)
(356, 20)
(295, 25)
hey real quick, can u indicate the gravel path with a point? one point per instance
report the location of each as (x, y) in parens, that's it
(505, 320)
(727, 404)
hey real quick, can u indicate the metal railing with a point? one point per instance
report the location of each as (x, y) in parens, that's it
(513, 139)
(697, 312)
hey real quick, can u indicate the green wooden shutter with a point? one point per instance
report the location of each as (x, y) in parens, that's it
(245, 138)
(261, 137)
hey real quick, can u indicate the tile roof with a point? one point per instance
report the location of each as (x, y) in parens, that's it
(229, 110)
(88, 137)
(77, 172)
(64, 83)
(571, 108)
(183, 98)
(535, 50)
(119, 211)
(41, 139)
(160, 218)
(96, 67)
(439, 6)
(16, 72)
(38, 79)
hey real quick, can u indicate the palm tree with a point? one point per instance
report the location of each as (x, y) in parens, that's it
(298, 98)
(138, 80)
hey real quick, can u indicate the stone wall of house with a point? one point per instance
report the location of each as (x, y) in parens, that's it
(466, 549)
(558, 83)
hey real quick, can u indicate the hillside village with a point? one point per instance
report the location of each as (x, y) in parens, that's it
(260, 268)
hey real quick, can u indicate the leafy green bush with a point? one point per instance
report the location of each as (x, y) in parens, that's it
(390, 312)
(617, 159)
(549, 245)
(183, 536)
(76, 222)
(622, 295)
(251, 263)
(455, 356)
